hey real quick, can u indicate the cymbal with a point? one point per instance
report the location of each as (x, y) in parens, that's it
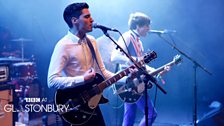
(12, 59)
(21, 40)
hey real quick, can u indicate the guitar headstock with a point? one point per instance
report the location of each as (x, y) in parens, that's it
(149, 56)
(177, 59)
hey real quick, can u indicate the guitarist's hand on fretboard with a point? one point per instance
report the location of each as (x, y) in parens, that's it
(166, 69)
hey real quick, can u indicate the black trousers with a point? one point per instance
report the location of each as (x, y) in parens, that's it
(95, 120)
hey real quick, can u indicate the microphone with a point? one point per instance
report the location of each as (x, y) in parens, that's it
(165, 31)
(103, 28)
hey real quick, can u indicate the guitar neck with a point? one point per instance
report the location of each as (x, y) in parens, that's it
(117, 77)
(160, 69)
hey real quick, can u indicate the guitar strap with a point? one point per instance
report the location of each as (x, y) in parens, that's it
(102, 99)
(93, 54)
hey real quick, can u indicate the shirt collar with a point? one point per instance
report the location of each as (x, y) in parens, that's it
(73, 37)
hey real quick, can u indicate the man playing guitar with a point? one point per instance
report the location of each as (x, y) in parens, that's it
(139, 26)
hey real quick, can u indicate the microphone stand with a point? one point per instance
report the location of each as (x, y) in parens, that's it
(152, 79)
(195, 66)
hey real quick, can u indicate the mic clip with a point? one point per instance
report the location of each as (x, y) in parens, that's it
(104, 28)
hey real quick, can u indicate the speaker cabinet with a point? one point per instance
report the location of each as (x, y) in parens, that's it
(6, 98)
(213, 118)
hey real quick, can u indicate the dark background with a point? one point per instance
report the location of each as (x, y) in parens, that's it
(199, 26)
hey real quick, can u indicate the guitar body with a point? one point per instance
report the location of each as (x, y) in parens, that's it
(80, 110)
(80, 102)
(128, 96)
(131, 92)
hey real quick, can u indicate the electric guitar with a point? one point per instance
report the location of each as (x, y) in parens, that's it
(81, 101)
(130, 92)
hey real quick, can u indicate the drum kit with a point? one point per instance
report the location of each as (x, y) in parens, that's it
(22, 72)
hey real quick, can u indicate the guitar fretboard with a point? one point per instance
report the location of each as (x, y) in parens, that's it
(158, 70)
(117, 77)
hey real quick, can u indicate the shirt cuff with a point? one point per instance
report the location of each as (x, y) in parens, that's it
(77, 81)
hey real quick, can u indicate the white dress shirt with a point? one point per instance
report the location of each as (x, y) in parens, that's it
(71, 58)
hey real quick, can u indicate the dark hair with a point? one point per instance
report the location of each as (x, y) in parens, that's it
(73, 10)
(139, 19)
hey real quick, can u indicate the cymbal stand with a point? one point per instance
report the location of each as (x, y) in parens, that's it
(22, 50)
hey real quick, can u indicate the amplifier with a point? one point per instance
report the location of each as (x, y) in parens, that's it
(4, 73)
(7, 118)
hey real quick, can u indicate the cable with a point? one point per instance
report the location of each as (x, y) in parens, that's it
(124, 43)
